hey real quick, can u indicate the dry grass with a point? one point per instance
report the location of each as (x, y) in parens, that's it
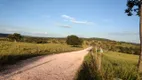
(11, 52)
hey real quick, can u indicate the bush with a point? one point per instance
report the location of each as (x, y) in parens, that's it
(74, 40)
(15, 37)
(128, 50)
(35, 40)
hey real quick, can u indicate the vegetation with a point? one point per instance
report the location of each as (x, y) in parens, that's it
(11, 52)
(136, 6)
(15, 37)
(74, 40)
(117, 60)
(115, 66)
(108, 45)
(35, 40)
(128, 50)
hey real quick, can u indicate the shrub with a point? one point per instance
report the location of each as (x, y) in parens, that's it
(74, 40)
(35, 40)
(15, 37)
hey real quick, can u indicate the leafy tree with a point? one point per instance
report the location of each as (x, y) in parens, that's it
(74, 40)
(136, 6)
(15, 37)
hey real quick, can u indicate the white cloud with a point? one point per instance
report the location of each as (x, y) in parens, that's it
(65, 26)
(82, 22)
(43, 34)
(62, 25)
(24, 31)
(39, 33)
(12, 30)
(73, 20)
(68, 17)
(124, 33)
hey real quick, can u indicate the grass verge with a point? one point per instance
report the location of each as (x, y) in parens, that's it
(115, 66)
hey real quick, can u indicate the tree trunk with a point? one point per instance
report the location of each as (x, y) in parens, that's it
(140, 32)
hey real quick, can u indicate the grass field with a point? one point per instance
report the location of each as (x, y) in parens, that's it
(115, 66)
(11, 52)
(119, 65)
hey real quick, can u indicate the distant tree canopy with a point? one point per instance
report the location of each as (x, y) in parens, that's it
(15, 37)
(74, 40)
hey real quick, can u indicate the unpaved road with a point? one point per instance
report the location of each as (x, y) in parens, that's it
(53, 67)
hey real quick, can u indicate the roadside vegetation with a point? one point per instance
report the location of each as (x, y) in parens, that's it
(116, 46)
(114, 66)
(119, 60)
(16, 47)
(10, 52)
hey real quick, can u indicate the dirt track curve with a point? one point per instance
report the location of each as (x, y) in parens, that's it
(61, 66)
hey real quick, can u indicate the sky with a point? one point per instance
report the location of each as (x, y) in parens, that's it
(60, 18)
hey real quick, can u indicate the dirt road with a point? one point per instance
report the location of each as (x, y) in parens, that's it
(53, 67)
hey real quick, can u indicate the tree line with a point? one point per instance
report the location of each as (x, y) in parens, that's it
(70, 40)
(129, 48)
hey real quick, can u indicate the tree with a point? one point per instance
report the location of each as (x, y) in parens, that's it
(74, 40)
(136, 6)
(15, 37)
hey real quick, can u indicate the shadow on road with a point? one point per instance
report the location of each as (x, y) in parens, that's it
(21, 71)
(15, 68)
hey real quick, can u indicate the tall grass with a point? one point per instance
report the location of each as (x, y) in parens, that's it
(114, 66)
(11, 52)
(119, 65)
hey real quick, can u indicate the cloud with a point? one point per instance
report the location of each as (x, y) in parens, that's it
(68, 17)
(62, 25)
(82, 22)
(41, 33)
(12, 30)
(73, 20)
(65, 26)
(124, 33)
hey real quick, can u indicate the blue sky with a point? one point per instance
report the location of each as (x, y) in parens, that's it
(59, 18)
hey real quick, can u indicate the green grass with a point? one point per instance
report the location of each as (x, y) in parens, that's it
(120, 57)
(114, 65)
(11, 52)
(88, 70)
(119, 65)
